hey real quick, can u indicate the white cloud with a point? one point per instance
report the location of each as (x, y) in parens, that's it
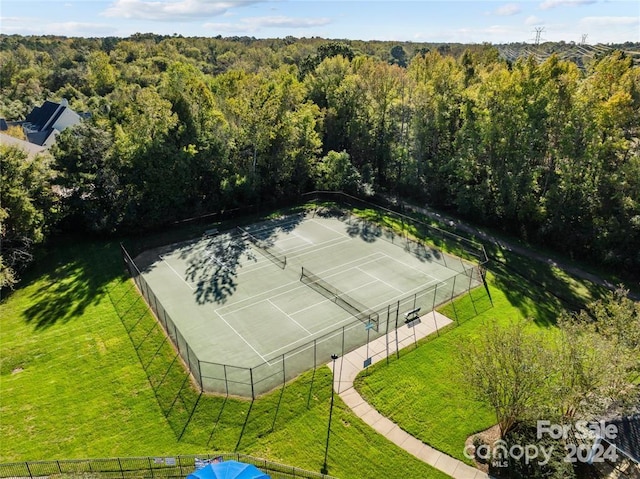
(172, 10)
(508, 9)
(533, 20)
(37, 26)
(253, 24)
(609, 21)
(548, 4)
(492, 34)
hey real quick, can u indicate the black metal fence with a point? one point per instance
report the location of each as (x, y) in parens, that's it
(253, 381)
(160, 467)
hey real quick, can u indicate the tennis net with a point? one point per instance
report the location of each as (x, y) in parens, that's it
(343, 300)
(277, 258)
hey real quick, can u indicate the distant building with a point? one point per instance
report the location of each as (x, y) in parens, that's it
(42, 126)
(31, 148)
(43, 123)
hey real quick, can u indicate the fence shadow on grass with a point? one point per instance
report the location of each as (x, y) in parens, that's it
(230, 423)
(213, 421)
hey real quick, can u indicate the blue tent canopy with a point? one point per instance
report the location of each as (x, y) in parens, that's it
(228, 470)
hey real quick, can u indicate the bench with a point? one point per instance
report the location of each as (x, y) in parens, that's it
(409, 315)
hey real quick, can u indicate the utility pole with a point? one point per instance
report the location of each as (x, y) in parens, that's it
(324, 469)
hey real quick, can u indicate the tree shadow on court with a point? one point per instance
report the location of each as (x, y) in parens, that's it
(332, 212)
(367, 232)
(424, 253)
(72, 277)
(214, 268)
(371, 232)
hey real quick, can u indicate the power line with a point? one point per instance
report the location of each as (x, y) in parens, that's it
(539, 31)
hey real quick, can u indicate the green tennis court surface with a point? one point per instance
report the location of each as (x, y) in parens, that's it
(240, 298)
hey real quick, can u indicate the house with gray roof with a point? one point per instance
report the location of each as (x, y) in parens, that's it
(44, 122)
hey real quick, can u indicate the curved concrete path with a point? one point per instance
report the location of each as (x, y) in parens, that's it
(348, 367)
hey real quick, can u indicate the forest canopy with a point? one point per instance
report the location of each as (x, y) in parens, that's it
(547, 151)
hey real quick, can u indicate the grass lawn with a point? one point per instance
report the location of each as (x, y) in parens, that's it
(424, 391)
(87, 372)
(73, 384)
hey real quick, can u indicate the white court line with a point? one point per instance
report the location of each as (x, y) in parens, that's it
(296, 252)
(284, 240)
(302, 237)
(327, 299)
(177, 274)
(336, 330)
(241, 336)
(378, 279)
(332, 229)
(289, 316)
(273, 228)
(218, 261)
(289, 290)
(409, 266)
(377, 253)
(407, 294)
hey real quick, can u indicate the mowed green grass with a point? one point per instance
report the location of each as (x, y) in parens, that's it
(72, 383)
(73, 386)
(424, 391)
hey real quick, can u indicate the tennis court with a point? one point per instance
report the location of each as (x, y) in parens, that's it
(248, 297)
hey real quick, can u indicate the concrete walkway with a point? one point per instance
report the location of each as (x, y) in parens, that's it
(348, 367)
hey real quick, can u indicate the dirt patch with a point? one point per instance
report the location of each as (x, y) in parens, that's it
(17, 370)
(488, 436)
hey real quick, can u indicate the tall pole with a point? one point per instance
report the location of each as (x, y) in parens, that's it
(324, 469)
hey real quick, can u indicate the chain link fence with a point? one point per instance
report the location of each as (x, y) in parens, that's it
(466, 274)
(143, 467)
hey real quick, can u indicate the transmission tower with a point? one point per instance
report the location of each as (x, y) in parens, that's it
(539, 31)
(584, 38)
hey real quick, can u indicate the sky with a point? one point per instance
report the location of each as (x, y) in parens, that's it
(470, 21)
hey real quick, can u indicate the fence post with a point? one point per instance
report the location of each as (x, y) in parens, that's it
(453, 304)
(397, 343)
(471, 296)
(433, 308)
(284, 373)
(386, 335)
(121, 470)
(200, 375)
(253, 394)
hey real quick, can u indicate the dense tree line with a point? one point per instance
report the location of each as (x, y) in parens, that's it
(182, 126)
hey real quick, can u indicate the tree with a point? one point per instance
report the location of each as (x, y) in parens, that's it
(26, 202)
(334, 172)
(507, 367)
(88, 177)
(599, 357)
(398, 56)
(382, 85)
(579, 374)
(436, 102)
(102, 75)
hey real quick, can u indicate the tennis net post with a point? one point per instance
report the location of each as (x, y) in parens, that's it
(343, 300)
